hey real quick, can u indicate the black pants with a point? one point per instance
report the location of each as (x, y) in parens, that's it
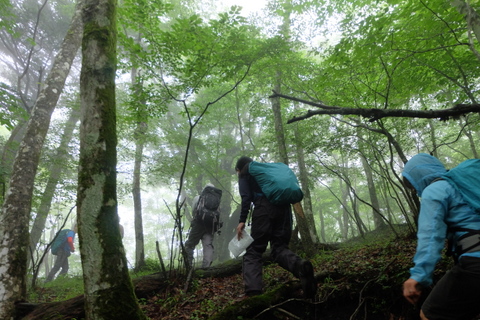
(60, 262)
(270, 224)
(457, 295)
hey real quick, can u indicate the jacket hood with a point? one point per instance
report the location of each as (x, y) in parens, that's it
(421, 170)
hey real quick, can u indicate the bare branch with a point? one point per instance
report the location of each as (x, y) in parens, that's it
(374, 114)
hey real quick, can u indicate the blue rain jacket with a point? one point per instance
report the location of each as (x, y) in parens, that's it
(441, 208)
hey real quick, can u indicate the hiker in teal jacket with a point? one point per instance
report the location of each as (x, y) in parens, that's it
(442, 212)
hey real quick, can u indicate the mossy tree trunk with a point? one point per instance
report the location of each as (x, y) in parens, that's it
(109, 291)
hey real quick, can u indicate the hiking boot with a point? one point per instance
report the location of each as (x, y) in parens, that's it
(307, 278)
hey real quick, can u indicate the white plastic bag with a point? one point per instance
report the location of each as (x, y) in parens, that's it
(236, 247)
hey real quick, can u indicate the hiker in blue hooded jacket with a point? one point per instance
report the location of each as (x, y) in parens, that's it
(443, 212)
(270, 223)
(63, 253)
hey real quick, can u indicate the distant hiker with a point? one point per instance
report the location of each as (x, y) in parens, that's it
(270, 223)
(205, 222)
(120, 228)
(444, 214)
(62, 247)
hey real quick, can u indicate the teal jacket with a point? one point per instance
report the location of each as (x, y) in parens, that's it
(442, 208)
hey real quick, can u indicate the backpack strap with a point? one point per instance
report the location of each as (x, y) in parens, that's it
(468, 242)
(437, 179)
(198, 208)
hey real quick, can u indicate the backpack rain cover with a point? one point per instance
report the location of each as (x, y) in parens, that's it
(59, 241)
(277, 181)
(466, 179)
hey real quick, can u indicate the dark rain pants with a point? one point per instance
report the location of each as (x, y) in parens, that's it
(61, 262)
(272, 224)
(456, 296)
(198, 232)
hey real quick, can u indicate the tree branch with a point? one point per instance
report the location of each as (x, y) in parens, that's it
(374, 114)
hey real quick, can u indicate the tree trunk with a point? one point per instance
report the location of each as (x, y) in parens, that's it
(377, 218)
(471, 139)
(230, 221)
(137, 196)
(344, 219)
(55, 171)
(108, 289)
(277, 116)
(307, 199)
(139, 137)
(471, 17)
(307, 243)
(8, 155)
(15, 240)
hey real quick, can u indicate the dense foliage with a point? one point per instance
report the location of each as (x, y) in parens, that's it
(194, 85)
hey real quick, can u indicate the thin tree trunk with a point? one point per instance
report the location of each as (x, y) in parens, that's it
(473, 21)
(109, 291)
(307, 199)
(55, 171)
(471, 140)
(139, 137)
(15, 240)
(345, 218)
(137, 196)
(377, 219)
(307, 243)
(225, 183)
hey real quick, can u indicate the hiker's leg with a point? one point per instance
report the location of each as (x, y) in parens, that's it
(207, 244)
(281, 234)
(53, 271)
(252, 260)
(456, 295)
(194, 236)
(56, 266)
(65, 265)
(302, 269)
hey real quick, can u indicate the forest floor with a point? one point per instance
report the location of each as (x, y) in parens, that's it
(361, 279)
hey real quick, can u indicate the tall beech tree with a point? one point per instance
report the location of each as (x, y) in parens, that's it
(108, 288)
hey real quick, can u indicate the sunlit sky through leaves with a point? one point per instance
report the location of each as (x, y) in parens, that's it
(248, 6)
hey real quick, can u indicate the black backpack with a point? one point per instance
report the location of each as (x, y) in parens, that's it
(208, 208)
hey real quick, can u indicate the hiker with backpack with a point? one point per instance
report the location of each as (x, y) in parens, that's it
(445, 213)
(205, 222)
(62, 247)
(271, 223)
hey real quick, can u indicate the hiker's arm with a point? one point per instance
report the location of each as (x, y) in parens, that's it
(246, 195)
(70, 244)
(431, 233)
